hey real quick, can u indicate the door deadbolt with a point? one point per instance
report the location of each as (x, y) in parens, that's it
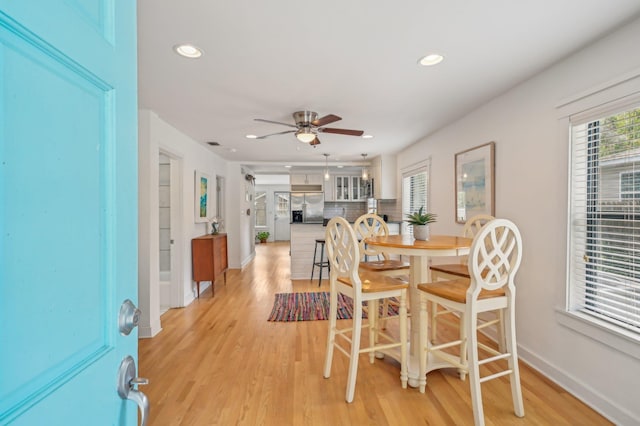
(129, 317)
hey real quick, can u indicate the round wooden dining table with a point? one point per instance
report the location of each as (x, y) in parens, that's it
(419, 253)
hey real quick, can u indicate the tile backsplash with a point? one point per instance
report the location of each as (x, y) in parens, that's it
(350, 210)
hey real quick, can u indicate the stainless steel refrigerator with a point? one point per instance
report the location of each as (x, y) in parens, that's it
(310, 203)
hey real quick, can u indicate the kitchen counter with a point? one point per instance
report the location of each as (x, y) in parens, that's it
(303, 241)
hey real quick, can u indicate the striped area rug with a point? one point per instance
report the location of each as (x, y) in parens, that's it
(312, 306)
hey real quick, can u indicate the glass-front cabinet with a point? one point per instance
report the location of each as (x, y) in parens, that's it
(351, 188)
(343, 185)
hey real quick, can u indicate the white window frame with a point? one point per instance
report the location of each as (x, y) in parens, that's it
(624, 89)
(260, 207)
(407, 173)
(635, 194)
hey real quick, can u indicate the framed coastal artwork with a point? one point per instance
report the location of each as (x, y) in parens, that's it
(203, 186)
(475, 182)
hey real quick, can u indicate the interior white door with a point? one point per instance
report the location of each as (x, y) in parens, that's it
(282, 216)
(68, 216)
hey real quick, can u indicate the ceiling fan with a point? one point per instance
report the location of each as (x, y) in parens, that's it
(308, 125)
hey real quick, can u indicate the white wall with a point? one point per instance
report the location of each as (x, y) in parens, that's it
(531, 190)
(156, 135)
(243, 248)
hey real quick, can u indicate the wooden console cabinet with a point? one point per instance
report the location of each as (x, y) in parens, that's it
(209, 258)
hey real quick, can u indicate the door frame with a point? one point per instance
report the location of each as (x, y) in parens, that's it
(177, 232)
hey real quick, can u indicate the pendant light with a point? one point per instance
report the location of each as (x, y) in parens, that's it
(326, 167)
(365, 171)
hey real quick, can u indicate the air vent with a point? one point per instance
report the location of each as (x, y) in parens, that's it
(213, 143)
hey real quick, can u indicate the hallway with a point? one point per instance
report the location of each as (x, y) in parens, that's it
(220, 362)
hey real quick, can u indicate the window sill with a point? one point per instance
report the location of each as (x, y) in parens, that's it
(619, 339)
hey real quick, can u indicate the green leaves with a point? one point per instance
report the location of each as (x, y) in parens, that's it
(421, 218)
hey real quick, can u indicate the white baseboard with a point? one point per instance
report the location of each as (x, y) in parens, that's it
(246, 261)
(584, 393)
(148, 332)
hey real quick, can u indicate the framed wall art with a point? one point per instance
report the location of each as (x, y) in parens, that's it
(203, 187)
(475, 182)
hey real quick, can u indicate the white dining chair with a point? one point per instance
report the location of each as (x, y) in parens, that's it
(371, 225)
(457, 270)
(345, 278)
(494, 259)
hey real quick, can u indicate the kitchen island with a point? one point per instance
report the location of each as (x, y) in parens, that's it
(303, 241)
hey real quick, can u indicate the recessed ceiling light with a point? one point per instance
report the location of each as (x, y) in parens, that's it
(233, 150)
(431, 59)
(287, 167)
(251, 137)
(188, 51)
(340, 167)
(367, 136)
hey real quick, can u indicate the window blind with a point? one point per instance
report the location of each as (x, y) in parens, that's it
(414, 193)
(604, 258)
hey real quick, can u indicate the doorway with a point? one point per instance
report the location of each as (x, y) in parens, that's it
(170, 217)
(281, 216)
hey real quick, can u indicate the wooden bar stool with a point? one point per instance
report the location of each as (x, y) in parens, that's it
(321, 263)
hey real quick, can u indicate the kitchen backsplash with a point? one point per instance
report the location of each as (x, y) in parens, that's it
(392, 208)
(352, 210)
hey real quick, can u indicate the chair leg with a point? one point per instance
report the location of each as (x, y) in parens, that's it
(355, 351)
(514, 378)
(321, 266)
(331, 338)
(463, 347)
(502, 337)
(373, 327)
(471, 323)
(313, 265)
(424, 343)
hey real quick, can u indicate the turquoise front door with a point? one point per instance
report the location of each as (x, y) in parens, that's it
(68, 209)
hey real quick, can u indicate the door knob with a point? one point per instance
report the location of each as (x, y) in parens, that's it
(127, 381)
(129, 317)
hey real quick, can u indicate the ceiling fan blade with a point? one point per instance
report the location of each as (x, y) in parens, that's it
(273, 134)
(315, 142)
(341, 131)
(327, 119)
(275, 122)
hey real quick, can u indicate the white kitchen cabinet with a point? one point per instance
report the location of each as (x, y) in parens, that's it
(329, 189)
(350, 188)
(306, 182)
(308, 179)
(385, 179)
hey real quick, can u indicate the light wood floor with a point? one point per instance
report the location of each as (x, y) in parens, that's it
(220, 362)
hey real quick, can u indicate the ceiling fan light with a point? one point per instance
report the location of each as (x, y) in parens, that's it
(305, 136)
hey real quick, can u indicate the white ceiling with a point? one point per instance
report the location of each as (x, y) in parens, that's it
(353, 58)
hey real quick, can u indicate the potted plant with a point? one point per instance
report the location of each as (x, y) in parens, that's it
(263, 236)
(420, 221)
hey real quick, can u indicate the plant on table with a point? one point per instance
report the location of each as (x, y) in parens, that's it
(420, 221)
